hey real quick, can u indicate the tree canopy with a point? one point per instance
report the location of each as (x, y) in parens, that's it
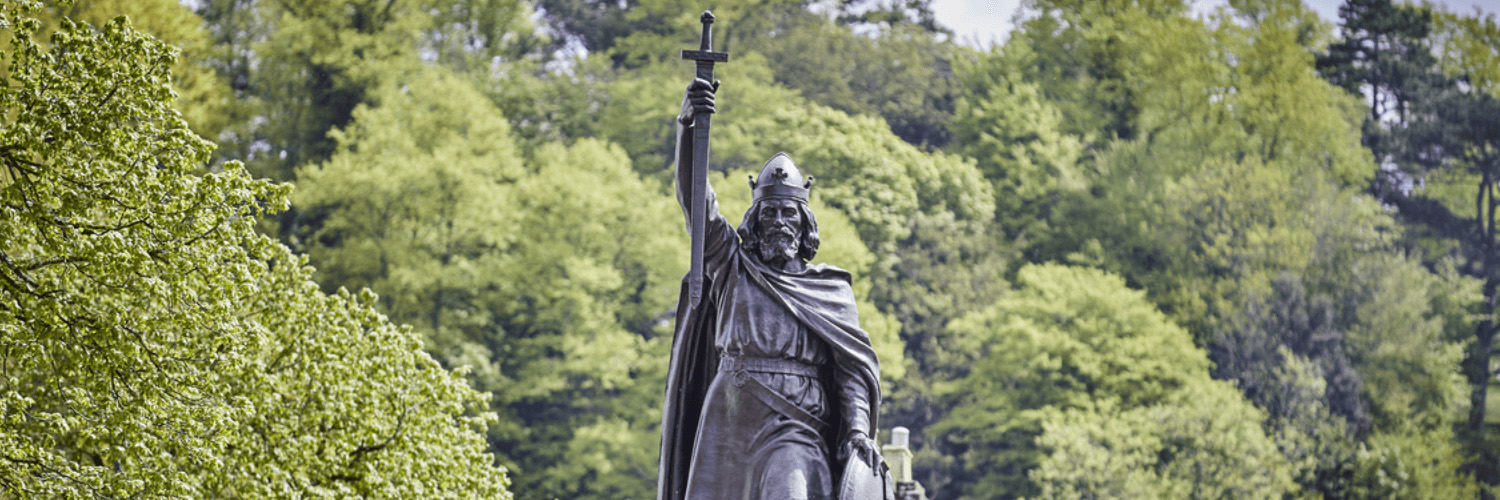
(414, 248)
(154, 343)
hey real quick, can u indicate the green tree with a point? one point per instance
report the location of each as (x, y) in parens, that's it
(1166, 138)
(411, 205)
(1460, 130)
(893, 65)
(1382, 45)
(154, 343)
(1291, 323)
(1431, 83)
(1411, 464)
(203, 98)
(1286, 352)
(306, 64)
(589, 289)
(1206, 442)
(1406, 341)
(901, 73)
(551, 275)
(1097, 61)
(1014, 133)
(1056, 361)
(299, 68)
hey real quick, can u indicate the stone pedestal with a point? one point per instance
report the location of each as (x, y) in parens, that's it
(898, 456)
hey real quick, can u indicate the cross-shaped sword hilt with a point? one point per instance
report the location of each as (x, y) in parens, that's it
(705, 54)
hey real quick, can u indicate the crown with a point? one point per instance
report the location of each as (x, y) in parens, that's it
(779, 178)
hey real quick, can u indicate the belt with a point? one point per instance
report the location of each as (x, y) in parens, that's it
(740, 366)
(732, 364)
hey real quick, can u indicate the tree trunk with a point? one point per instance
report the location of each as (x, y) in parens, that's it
(1478, 369)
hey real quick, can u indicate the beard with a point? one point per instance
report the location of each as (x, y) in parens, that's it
(778, 244)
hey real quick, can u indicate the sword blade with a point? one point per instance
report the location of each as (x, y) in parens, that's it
(701, 125)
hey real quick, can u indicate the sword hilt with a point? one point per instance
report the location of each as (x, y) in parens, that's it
(705, 53)
(708, 31)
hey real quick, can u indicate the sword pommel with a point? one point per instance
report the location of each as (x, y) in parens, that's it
(708, 31)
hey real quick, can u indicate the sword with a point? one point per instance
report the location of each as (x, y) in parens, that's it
(706, 57)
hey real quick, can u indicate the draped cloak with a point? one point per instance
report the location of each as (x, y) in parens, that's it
(821, 300)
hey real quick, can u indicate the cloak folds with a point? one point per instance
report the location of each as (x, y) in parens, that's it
(819, 298)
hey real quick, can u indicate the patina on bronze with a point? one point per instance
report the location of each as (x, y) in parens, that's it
(772, 388)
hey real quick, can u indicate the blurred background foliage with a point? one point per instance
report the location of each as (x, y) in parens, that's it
(1138, 250)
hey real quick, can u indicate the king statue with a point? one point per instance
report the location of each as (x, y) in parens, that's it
(773, 388)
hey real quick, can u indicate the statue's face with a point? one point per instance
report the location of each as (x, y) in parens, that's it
(779, 222)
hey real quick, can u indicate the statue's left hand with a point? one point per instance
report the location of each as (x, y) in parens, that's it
(860, 446)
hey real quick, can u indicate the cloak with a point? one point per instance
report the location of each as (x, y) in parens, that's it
(819, 298)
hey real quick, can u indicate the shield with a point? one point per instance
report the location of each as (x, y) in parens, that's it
(861, 483)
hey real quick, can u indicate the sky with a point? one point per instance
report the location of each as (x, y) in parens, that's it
(980, 22)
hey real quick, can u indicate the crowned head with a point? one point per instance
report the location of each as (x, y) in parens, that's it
(779, 227)
(780, 178)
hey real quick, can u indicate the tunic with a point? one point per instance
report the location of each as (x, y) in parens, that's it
(720, 441)
(746, 450)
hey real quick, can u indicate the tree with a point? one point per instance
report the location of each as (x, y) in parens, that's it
(1407, 340)
(154, 343)
(1072, 361)
(1407, 344)
(1013, 132)
(308, 64)
(203, 98)
(1411, 464)
(299, 68)
(1459, 129)
(1433, 101)
(901, 73)
(1207, 444)
(553, 290)
(1381, 45)
(878, 60)
(1089, 55)
(1251, 105)
(1306, 327)
(410, 204)
(1287, 353)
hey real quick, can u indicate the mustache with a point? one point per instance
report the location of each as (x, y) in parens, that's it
(779, 237)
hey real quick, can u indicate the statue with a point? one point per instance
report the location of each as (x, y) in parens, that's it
(773, 388)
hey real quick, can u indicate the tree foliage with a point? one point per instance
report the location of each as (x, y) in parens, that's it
(154, 343)
(1082, 382)
(1141, 249)
(519, 268)
(1428, 79)
(204, 99)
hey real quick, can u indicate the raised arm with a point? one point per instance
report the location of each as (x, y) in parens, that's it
(720, 238)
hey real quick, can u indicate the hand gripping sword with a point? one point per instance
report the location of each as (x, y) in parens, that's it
(706, 58)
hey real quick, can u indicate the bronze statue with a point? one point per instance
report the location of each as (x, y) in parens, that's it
(773, 387)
